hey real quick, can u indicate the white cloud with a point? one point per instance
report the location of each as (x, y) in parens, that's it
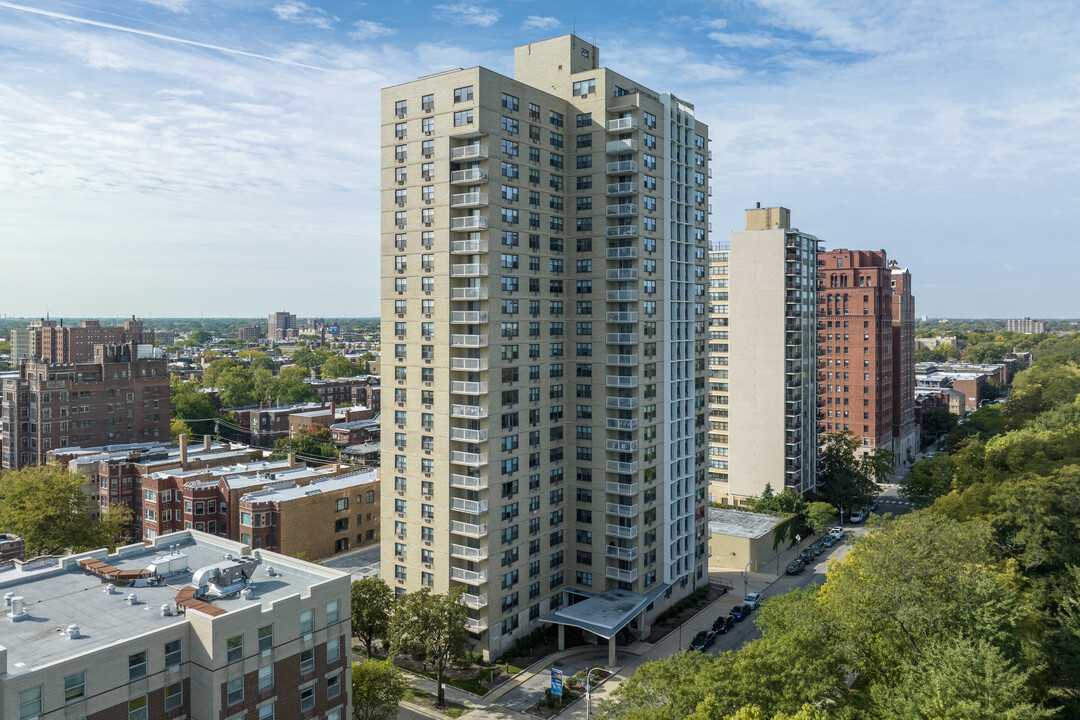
(468, 14)
(96, 54)
(715, 24)
(750, 41)
(174, 5)
(77, 94)
(298, 11)
(539, 22)
(369, 30)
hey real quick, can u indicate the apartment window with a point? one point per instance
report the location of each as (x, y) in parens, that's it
(234, 648)
(307, 698)
(235, 691)
(333, 686)
(266, 638)
(307, 661)
(333, 650)
(136, 666)
(509, 147)
(174, 696)
(509, 170)
(136, 708)
(307, 622)
(400, 107)
(584, 87)
(266, 679)
(463, 117)
(510, 125)
(333, 615)
(74, 687)
(30, 705)
(463, 94)
(584, 120)
(173, 653)
(510, 102)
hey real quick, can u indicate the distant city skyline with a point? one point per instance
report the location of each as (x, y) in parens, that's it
(175, 158)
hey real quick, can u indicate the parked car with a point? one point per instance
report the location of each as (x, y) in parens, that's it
(807, 555)
(828, 541)
(836, 531)
(795, 567)
(857, 516)
(722, 624)
(753, 600)
(818, 547)
(703, 641)
(873, 507)
(741, 612)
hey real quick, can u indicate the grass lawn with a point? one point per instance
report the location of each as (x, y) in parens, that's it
(419, 697)
(472, 685)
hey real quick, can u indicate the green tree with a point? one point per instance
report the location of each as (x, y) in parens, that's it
(337, 366)
(47, 507)
(177, 428)
(845, 475)
(372, 607)
(309, 359)
(192, 406)
(312, 442)
(377, 689)
(936, 421)
(201, 336)
(820, 516)
(292, 388)
(962, 679)
(431, 627)
(930, 478)
(262, 362)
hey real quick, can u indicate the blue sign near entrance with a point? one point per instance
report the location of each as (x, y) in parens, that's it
(556, 682)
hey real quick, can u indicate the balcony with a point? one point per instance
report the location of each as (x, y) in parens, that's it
(622, 253)
(621, 360)
(469, 270)
(473, 507)
(469, 341)
(626, 145)
(622, 188)
(469, 411)
(622, 167)
(621, 210)
(621, 446)
(469, 364)
(468, 151)
(476, 625)
(622, 403)
(472, 175)
(469, 529)
(474, 601)
(468, 553)
(468, 223)
(622, 317)
(468, 388)
(621, 296)
(622, 338)
(618, 231)
(469, 293)
(622, 381)
(620, 531)
(622, 274)
(623, 468)
(468, 458)
(621, 124)
(621, 575)
(618, 488)
(469, 577)
(468, 317)
(467, 247)
(468, 482)
(468, 435)
(624, 424)
(614, 551)
(473, 199)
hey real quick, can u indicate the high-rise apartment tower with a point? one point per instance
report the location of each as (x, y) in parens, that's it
(543, 323)
(762, 350)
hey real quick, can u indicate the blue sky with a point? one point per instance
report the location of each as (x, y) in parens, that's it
(220, 157)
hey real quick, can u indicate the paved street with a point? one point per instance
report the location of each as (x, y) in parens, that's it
(890, 502)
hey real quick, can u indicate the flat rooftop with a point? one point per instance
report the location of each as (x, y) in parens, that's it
(61, 593)
(284, 493)
(740, 523)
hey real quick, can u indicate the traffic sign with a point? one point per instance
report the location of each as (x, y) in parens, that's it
(556, 682)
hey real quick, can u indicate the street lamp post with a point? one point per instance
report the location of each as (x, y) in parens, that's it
(588, 687)
(745, 588)
(798, 539)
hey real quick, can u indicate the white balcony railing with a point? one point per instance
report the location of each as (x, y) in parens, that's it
(469, 411)
(621, 575)
(472, 175)
(468, 151)
(621, 167)
(469, 270)
(621, 296)
(614, 551)
(622, 381)
(622, 338)
(621, 446)
(622, 188)
(621, 210)
(474, 601)
(473, 341)
(618, 488)
(468, 458)
(468, 388)
(620, 531)
(468, 553)
(622, 124)
(469, 529)
(468, 482)
(469, 364)
(469, 577)
(465, 247)
(624, 145)
(469, 222)
(473, 199)
(616, 360)
(622, 317)
(623, 468)
(468, 317)
(621, 253)
(622, 403)
(627, 511)
(468, 435)
(616, 231)
(476, 625)
(624, 424)
(469, 293)
(473, 507)
(622, 274)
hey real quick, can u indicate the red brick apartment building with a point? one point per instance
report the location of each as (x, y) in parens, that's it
(118, 397)
(855, 345)
(60, 343)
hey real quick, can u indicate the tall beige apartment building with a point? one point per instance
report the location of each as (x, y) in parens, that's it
(544, 247)
(763, 404)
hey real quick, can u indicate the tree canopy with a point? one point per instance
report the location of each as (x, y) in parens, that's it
(431, 627)
(372, 606)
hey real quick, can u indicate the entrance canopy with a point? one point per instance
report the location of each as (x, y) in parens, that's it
(604, 614)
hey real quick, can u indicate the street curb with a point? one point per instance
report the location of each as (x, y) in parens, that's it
(426, 712)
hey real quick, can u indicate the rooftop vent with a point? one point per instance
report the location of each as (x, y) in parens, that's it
(132, 599)
(72, 632)
(224, 578)
(17, 611)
